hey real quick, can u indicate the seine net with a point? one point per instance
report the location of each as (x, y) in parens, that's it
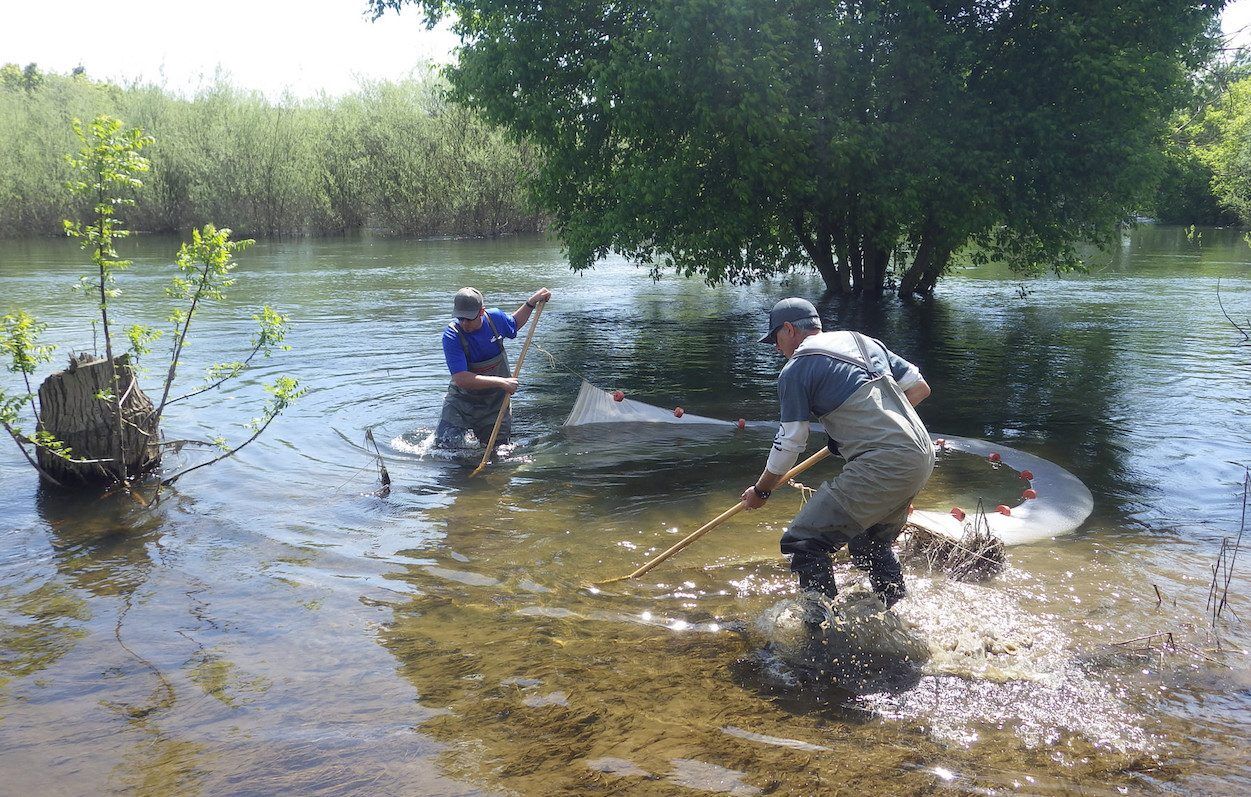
(598, 406)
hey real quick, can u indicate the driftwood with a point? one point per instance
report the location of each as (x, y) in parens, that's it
(976, 556)
(71, 412)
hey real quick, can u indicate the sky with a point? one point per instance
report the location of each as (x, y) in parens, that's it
(304, 46)
(301, 46)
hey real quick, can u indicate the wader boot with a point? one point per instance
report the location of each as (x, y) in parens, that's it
(475, 410)
(872, 552)
(814, 573)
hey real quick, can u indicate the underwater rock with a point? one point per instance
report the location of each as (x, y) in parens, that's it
(852, 638)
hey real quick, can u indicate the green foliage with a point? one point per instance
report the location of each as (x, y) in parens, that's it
(1185, 194)
(49, 442)
(272, 331)
(283, 391)
(220, 372)
(1228, 154)
(106, 173)
(107, 170)
(11, 418)
(206, 264)
(11, 409)
(21, 343)
(141, 337)
(396, 157)
(732, 140)
(270, 336)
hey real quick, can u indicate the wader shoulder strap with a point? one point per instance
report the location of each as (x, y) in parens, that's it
(864, 352)
(464, 341)
(499, 339)
(865, 365)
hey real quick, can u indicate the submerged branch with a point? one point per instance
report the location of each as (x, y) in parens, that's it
(1246, 333)
(1227, 559)
(170, 480)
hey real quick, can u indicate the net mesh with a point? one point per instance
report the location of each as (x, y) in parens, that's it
(594, 405)
(1062, 502)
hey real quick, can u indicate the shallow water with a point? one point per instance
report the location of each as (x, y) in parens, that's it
(275, 627)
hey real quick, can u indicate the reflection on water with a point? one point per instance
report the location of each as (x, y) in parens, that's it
(276, 626)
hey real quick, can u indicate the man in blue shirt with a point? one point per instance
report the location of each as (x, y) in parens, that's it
(863, 394)
(473, 345)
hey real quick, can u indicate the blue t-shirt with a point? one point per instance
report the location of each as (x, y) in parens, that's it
(483, 345)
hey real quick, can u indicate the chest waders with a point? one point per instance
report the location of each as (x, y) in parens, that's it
(889, 459)
(466, 410)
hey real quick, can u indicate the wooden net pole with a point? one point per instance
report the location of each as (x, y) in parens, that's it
(719, 519)
(534, 324)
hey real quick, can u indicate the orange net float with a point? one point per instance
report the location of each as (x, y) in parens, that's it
(742, 423)
(678, 412)
(618, 396)
(1057, 502)
(1004, 509)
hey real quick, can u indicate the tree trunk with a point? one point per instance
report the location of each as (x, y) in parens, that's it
(912, 280)
(844, 268)
(70, 411)
(938, 264)
(875, 262)
(856, 253)
(819, 250)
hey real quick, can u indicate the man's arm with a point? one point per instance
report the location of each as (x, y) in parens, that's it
(767, 482)
(468, 380)
(465, 379)
(791, 439)
(523, 313)
(919, 392)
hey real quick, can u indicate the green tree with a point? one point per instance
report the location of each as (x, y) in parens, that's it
(736, 139)
(1227, 152)
(1185, 194)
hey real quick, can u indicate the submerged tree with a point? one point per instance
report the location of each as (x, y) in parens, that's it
(93, 422)
(735, 140)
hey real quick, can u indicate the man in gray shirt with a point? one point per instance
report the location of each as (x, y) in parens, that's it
(863, 395)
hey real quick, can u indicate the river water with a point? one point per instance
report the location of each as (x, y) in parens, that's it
(274, 626)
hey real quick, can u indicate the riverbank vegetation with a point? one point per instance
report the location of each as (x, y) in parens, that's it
(396, 157)
(735, 140)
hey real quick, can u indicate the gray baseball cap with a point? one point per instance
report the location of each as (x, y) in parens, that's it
(792, 310)
(467, 304)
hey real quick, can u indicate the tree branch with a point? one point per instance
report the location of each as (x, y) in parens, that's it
(221, 381)
(17, 439)
(178, 344)
(230, 453)
(1243, 332)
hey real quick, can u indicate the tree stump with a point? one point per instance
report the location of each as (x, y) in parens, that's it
(70, 411)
